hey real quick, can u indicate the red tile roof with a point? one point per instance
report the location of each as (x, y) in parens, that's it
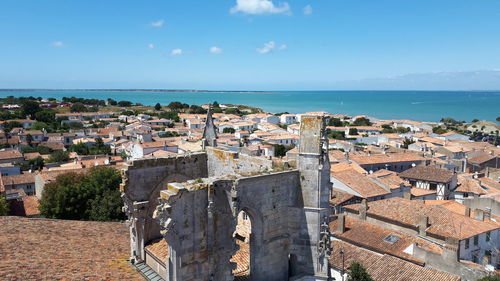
(443, 222)
(384, 267)
(428, 173)
(360, 183)
(43, 249)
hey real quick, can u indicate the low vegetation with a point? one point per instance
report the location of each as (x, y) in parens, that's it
(92, 196)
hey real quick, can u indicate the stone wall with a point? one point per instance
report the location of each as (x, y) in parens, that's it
(223, 162)
(142, 181)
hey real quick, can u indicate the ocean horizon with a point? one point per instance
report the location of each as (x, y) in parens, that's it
(428, 106)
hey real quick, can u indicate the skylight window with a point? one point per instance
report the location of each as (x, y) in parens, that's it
(391, 238)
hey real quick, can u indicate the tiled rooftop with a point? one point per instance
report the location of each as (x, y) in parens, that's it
(384, 267)
(43, 249)
(442, 221)
(428, 173)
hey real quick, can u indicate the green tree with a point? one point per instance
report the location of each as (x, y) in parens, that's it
(358, 273)
(124, 103)
(46, 116)
(449, 121)
(438, 130)
(30, 107)
(172, 115)
(8, 126)
(112, 102)
(4, 206)
(407, 142)
(362, 121)
(215, 104)
(336, 122)
(197, 109)
(353, 131)
(40, 126)
(59, 156)
(229, 130)
(78, 107)
(177, 106)
(76, 196)
(498, 119)
(29, 139)
(336, 135)
(36, 163)
(281, 150)
(158, 106)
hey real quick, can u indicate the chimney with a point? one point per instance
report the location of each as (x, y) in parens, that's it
(467, 212)
(423, 225)
(363, 209)
(479, 214)
(340, 227)
(407, 195)
(451, 250)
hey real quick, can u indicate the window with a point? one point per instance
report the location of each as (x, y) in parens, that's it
(488, 236)
(467, 243)
(433, 186)
(391, 239)
(466, 195)
(476, 240)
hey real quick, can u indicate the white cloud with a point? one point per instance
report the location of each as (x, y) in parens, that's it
(256, 7)
(215, 50)
(308, 10)
(58, 44)
(270, 47)
(158, 23)
(176, 52)
(151, 46)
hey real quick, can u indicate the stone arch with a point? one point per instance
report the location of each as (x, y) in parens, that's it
(152, 228)
(256, 238)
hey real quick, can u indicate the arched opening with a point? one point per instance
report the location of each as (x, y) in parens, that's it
(242, 238)
(292, 265)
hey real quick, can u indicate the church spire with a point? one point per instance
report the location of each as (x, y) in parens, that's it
(210, 131)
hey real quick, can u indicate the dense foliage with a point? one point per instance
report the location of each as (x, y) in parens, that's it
(85, 149)
(4, 206)
(59, 156)
(228, 130)
(336, 122)
(92, 196)
(281, 150)
(362, 121)
(358, 273)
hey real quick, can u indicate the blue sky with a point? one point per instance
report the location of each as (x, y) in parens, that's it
(250, 44)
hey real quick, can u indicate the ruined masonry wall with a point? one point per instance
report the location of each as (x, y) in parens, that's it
(267, 199)
(221, 163)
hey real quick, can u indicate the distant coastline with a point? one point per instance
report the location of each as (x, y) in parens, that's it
(132, 90)
(428, 106)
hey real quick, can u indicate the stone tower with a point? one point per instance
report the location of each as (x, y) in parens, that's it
(314, 167)
(210, 131)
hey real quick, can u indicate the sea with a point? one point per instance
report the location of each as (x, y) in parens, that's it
(428, 106)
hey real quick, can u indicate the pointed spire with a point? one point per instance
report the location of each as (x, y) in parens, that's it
(210, 131)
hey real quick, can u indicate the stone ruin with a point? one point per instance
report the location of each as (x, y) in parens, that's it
(192, 202)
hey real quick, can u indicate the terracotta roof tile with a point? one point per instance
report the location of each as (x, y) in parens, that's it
(360, 183)
(371, 236)
(442, 221)
(387, 158)
(428, 173)
(43, 249)
(159, 249)
(384, 267)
